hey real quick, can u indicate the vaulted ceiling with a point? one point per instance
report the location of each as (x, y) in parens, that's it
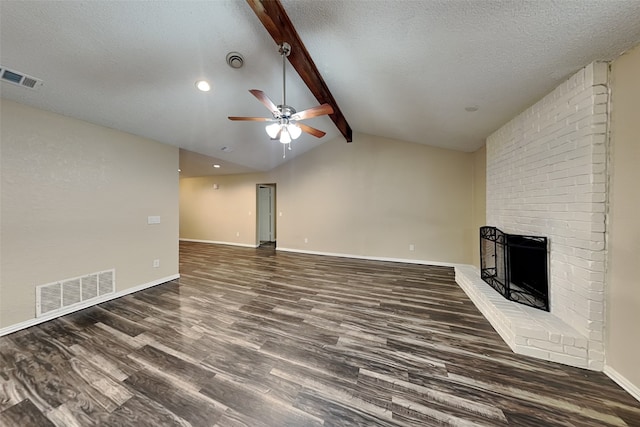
(406, 70)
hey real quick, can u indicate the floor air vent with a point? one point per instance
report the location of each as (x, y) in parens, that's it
(20, 79)
(57, 296)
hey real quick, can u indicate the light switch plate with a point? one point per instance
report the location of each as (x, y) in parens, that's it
(153, 220)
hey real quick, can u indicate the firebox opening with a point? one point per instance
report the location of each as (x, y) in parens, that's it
(516, 266)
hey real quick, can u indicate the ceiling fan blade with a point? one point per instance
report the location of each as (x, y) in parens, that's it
(264, 99)
(251, 119)
(320, 110)
(311, 130)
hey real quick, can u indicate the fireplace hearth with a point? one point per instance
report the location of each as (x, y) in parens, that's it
(516, 266)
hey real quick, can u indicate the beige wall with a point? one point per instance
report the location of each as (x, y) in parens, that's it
(226, 214)
(623, 278)
(75, 200)
(373, 197)
(479, 200)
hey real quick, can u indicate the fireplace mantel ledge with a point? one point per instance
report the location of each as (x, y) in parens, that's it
(526, 330)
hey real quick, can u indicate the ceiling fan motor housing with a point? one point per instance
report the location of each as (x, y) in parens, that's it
(285, 111)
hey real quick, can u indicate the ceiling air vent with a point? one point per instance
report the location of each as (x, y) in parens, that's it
(235, 60)
(20, 79)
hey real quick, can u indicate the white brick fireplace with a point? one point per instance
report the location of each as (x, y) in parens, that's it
(546, 176)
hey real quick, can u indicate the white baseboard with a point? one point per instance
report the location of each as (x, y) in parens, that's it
(215, 242)
(341, 255)
(373, 258)
(630, 388)
(82, 306)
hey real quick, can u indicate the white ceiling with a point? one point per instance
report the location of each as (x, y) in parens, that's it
(399, 69)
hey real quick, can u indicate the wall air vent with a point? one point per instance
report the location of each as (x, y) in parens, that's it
(57, 296)
(20, 79)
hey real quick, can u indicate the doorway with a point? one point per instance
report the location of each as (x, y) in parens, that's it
(266, 214)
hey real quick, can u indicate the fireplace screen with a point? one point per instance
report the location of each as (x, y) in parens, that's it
(515, 266)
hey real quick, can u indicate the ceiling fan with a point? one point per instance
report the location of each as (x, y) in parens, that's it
(286, 124)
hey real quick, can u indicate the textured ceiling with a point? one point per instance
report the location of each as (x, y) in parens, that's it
(399, 69)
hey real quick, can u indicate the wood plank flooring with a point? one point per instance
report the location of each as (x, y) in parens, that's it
(251, 337)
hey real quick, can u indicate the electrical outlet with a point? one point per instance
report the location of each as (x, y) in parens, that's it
(412, 247)
(306, 240)
(156, 263)
(237, 234)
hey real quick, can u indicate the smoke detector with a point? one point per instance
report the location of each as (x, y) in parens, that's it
(235, 60)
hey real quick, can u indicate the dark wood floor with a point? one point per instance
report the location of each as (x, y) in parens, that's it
(248, 337)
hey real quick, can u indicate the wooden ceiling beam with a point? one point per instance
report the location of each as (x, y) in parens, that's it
(276, 21)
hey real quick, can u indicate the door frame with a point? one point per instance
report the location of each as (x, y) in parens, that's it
(259, 211)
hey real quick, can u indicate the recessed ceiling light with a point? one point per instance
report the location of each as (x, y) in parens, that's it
(203, 85)
(216, 166)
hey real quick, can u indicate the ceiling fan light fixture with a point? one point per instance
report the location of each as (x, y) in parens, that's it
(294, 131)
(272, 130)
(285, 137)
